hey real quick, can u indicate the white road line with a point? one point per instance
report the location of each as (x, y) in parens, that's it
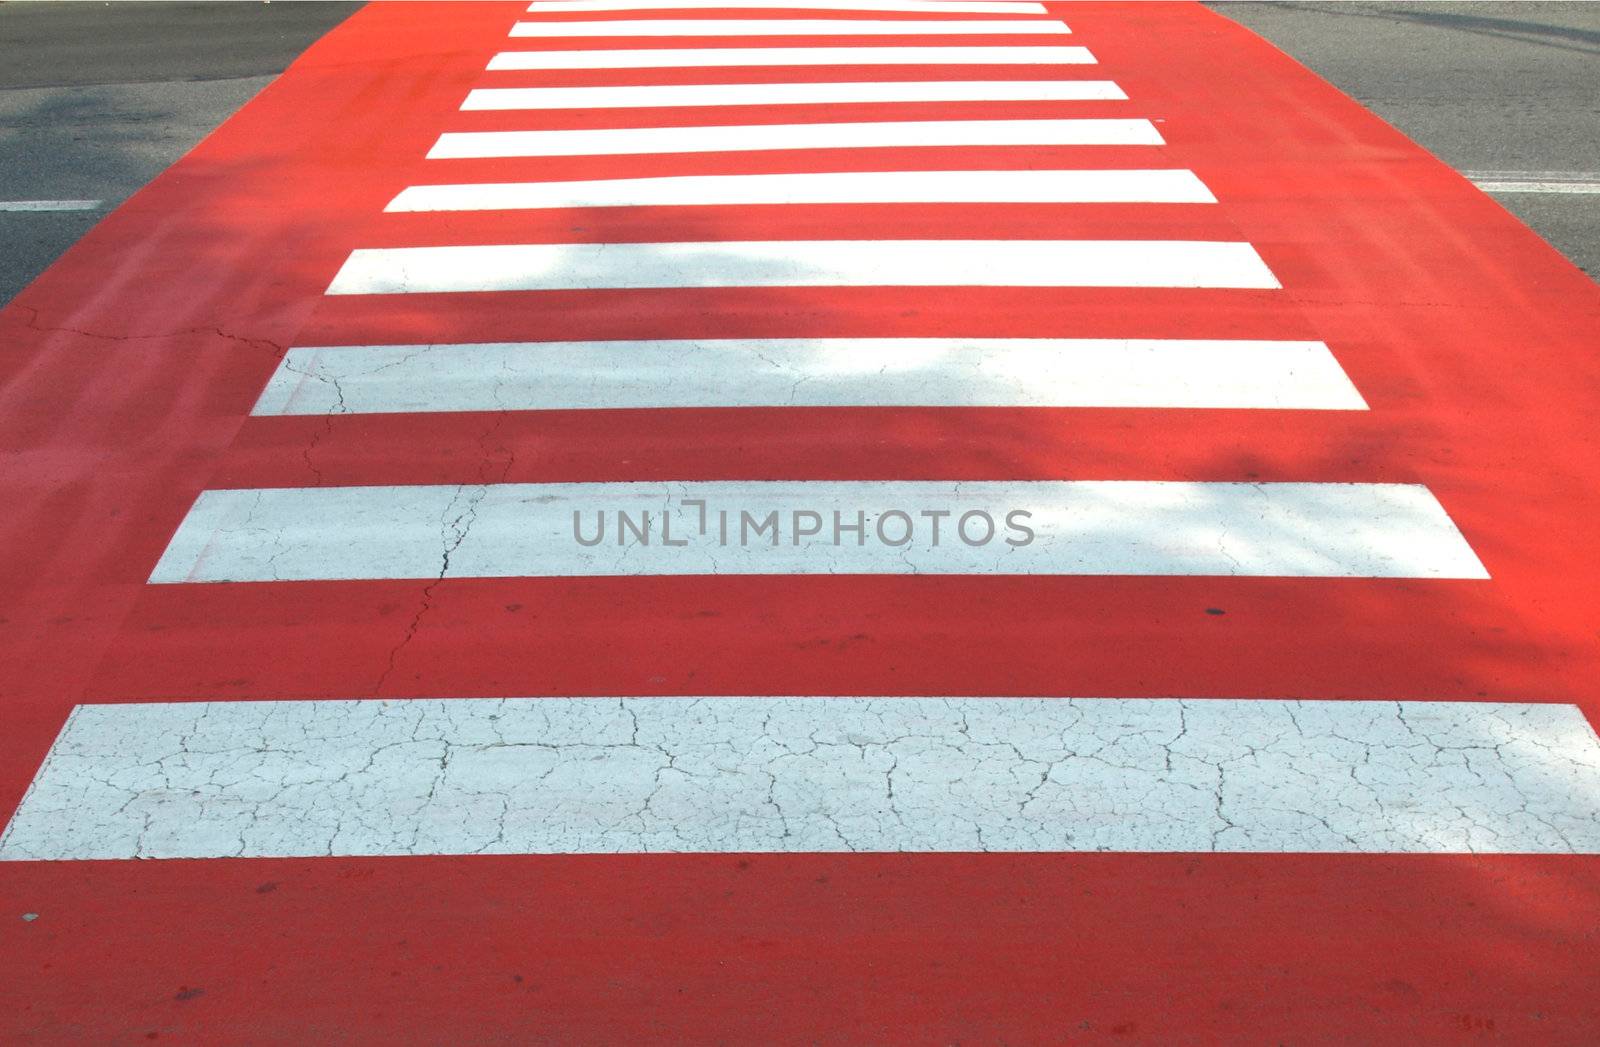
(1578, 188)
(657, 96)
(838, 372)
(859, 187)
(803, 263)
(790, 27)
(682, 58)
(1582, 183)
(969, 7)
(280, 779)
(818, 527)
(632, 141)
(50, 205)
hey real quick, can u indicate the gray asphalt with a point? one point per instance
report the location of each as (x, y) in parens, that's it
(1486, 87)
(97, 98)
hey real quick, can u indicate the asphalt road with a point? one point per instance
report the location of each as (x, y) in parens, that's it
(1490, 88)
(96, 99)
(294, 464)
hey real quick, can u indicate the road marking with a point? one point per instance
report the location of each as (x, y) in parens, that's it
(803, 263)
(837, 372)
(282, 779)
(821, 527)
(970, 7)
(1576, 182)
(682, 58)
(656, 96)
(790, 27)
(629, 141)
(50, 205)
(857, 187)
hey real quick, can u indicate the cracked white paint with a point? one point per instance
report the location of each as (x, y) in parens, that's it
(578, 775)
(629, 141)
(1156, 186)
(803, 263)
(655, 96)
(753, 57)
(1080, 527)
(823, 372)
(792, 27)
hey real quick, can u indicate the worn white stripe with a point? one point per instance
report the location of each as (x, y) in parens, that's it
(851, 187)
(1577, 182)
(682, 58)
(804, 263)
(624, 141)
(657, 96)
(50, 205)
(823, 372)
(741, 774)
(790, 27)
(1079, 527)
(1578, 188)
(959, 7)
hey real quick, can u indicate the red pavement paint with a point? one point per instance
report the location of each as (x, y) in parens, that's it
(806, 948)
(129, 369)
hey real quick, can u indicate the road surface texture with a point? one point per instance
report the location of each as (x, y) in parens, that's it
(1504, 91)
(866, 521)
(97, 99)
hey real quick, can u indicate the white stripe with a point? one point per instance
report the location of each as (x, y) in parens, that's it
(838, 372)
(1080, 527)
(50, 205)
(657, 96)
(626, 141)
(804, 263)
(741, 774)
(1579, 188)
(788, 27)
(860, 187)
(682, 58)
(1583, 183)
(970, 7)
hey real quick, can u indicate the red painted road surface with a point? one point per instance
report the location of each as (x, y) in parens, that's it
(129, 371)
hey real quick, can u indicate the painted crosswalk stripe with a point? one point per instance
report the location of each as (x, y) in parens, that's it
(278, 779)
(630, 141)
(803, 263)
(684, 58)
(667, 95)
(790, 27)
(968, 7)
(817, 527)
(849, 187)
(840, 372)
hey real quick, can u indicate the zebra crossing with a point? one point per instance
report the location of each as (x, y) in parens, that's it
(755, 57)
(734, 95)
(803, 263)
(814, 372)
(857, 187)
(781, 772)
(596, 775)
(787, 27)
(717, 138)
(1119, 527)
